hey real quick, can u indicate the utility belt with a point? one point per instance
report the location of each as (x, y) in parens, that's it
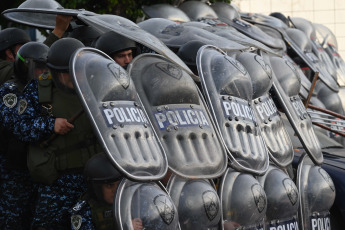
(48, 164)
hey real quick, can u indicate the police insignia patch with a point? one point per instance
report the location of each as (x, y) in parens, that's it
(211, 204)
(76, 221)
(291, 190)
(22, 105)
(10, 100)
(170, 69)
(259, 197)
(165, 208)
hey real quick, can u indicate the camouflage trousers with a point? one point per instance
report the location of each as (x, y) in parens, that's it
(17, 193)
(54, 201)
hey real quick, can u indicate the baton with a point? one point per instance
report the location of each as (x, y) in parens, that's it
(306, 104)
(45, 144)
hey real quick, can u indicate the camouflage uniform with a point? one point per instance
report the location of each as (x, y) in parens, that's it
(81, 216)
(88, 213)
(17, 188)
(53, 200)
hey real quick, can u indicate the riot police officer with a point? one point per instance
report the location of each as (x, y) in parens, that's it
(95, 208)
(121, 49)
(16, 185)
(11, 39)
(57, 163)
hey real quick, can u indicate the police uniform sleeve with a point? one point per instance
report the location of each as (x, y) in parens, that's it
(51, 39)
(81, 218)
(30, 125)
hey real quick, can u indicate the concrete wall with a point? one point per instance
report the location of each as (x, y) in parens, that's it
(330, 13)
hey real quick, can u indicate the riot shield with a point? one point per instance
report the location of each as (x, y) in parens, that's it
(228, 91)
(197, 10)
(317, 193)
(197, 203)
(102, 23)
(179, 116)
(244, 201)
(229, 15)
(221, 29)
(175, 35)
(110, 100)
(286, 86)
(165, 11)
(282, 200)
(272, 128)
(147, 203)
(127, 28)
(40, 14)
(299, 43)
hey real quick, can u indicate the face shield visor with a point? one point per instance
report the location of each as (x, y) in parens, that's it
(63, 81)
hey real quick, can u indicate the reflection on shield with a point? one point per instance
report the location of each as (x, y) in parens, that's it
(317, 193)
(110, 100)
(228, 90)
(179, 116)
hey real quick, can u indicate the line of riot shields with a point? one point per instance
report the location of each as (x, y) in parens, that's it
(221, 135)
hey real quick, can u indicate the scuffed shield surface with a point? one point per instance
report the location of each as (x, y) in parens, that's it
(317, 195)
(286, 86)
(197, 203)
(228, 90)
(273, 131)
(244, 201)
(110, 100)
(179, 116)
(282, 199)
(147, 202)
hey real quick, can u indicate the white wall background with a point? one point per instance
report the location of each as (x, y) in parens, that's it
(330, 13)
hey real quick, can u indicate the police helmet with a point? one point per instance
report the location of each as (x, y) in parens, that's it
(188, 53)
(86, 34)
(97, 171)
(31, 56)
(12, 36)
(111, 43)
(60, 53)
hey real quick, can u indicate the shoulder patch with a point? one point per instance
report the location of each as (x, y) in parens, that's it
(76, 221)
(22, 105)
(10, 100)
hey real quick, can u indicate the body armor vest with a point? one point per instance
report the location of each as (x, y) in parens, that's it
(102, 216)
(65, 153)
(76, 147)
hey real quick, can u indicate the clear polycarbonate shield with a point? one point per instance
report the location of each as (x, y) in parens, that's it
(272, 128)
(329, 42)
(282, 199)
(221, 29)
(317, 193)
(127, 28)
(165, 11)
(179, 116)
(197, 203)
(147, 203)
(286, 86)
(226, 12)
(228, 91)
(175, 35)
(110, 100)
(197, 10)
(41, 14)
(298, 42)
(244, 201)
